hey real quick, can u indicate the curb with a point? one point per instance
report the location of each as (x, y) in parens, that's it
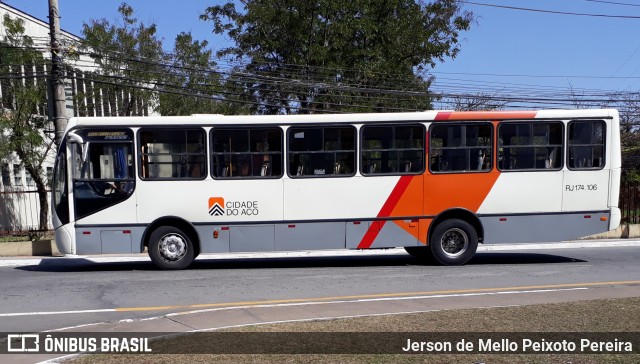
(45, 247)
(624, 231)
(48, 247)
(124, 258)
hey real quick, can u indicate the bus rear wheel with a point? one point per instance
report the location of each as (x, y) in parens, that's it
(454, 242)
(170, 248)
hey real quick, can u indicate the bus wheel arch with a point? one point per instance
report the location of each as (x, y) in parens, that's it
(454, 236)
(166, 237)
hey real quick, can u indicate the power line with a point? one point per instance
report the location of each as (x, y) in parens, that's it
(553, 11)
(526, 75)
(612, 3)
(288, 88)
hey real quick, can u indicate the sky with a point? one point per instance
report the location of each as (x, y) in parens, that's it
(506, 51)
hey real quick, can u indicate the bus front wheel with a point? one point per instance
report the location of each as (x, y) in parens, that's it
(454, 242)
(170, 248)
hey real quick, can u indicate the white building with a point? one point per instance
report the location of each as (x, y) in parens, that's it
(18, 199)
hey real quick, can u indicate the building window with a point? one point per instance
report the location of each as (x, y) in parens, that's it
(460, 148)
(49, 176)
(28, 178)
(246, 153)
(322, 151)
(392, 149)
(17, 175)
(6, 175)
(530, 145)
(586, 144)
(172, 153)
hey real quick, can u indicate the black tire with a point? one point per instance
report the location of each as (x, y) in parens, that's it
(420, 252)
(170, 248)
(453, 242)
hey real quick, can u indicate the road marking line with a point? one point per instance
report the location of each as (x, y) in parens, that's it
(324, 318)
(370, 300)
(74, 327)
(352, 298)
(13, 314)
(328, 318)
(379, 295)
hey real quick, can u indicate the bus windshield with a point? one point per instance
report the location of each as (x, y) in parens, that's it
(102, 170)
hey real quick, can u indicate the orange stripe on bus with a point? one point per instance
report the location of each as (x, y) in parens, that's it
(484, 115)
(431, 194)
(464, 190)
(412, 204)
(385, 211)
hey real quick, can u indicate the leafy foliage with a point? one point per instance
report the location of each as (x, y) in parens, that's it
(21, 128)
(191, 83)
(137, 77)
(320, 55)
(629, 108)
(137, 51)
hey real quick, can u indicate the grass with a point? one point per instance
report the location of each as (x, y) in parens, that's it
(611, 315)
(25, 237)
(14, 239)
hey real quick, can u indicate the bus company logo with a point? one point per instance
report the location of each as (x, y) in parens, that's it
(216, 206)
(219, 207)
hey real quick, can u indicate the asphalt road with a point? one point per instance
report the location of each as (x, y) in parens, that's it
(62, 292)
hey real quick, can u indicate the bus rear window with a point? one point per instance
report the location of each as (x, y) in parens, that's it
(586, 144)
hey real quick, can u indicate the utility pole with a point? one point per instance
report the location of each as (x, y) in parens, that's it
(57, 73)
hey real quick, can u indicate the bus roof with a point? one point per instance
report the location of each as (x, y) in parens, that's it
(216, 119)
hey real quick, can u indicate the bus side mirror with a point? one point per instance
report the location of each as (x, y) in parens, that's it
(85, 152)
(75, 138)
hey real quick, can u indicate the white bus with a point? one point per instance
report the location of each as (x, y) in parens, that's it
(436, 183)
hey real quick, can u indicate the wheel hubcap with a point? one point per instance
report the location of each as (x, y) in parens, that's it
(454, 242)
(172, 247)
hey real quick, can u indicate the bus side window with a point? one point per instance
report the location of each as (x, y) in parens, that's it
(322, 151)
(393, 149)
(461, 147)
(172, 153)
(246, 152)
(530, 145)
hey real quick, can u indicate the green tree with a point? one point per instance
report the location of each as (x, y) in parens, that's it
(21, 128)
(190, 76)
(476, 102)
(629, 107)
(128, 55)
(191, 83)
(334, 55)
(137, 76)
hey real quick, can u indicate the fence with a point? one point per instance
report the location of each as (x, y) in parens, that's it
(20, 212)
(630, 203)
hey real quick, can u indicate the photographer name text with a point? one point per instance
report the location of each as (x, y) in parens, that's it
(518, 346)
